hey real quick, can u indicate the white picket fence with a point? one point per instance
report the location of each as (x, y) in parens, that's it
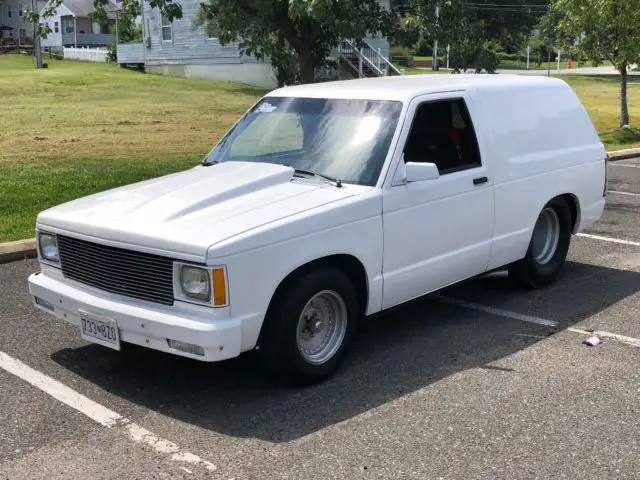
(86, 54)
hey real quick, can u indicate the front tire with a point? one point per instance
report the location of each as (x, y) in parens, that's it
(548, 247)
(310, 326)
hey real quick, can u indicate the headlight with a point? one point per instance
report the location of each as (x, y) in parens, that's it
(48, 244)
(195, 283)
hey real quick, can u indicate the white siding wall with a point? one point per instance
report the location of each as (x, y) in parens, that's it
(53, 39)
(130, 53)
(187, 46)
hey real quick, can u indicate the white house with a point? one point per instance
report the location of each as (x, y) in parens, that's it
(178, 49)
(14, 26)
(71, 25)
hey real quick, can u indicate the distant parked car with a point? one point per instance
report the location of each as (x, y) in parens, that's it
(324, 204)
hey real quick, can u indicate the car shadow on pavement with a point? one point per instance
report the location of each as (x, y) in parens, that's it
(395, 354)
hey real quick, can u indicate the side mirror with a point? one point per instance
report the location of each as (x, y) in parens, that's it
(417, 172)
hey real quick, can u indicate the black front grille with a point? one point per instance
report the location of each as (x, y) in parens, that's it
(117, 270)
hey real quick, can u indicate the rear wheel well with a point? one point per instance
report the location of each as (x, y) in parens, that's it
(573, 203)
(348, 264)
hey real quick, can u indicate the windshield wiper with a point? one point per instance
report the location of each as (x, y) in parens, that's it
(299, 171)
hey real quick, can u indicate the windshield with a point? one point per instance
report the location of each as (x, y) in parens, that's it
(342, 139)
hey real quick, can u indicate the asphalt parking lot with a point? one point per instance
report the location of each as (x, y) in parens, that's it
(483, 381)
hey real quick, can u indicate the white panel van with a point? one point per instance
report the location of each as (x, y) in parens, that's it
(324, 204)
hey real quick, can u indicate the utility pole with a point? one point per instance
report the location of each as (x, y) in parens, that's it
(448, 51)
(434, 54)
(36, 38)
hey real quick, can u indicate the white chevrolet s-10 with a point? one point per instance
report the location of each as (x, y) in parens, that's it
(324, 204)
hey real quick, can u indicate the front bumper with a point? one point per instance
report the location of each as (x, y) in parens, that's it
(138, 322)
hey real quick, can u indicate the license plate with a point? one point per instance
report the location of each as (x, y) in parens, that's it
(100, 330)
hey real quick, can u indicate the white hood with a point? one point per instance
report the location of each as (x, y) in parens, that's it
(189, 211)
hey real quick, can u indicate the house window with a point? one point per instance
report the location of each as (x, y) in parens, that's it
(22, 33)
(9, 10)
(20, 10)
(167, 30)
(56, 27)
(67, 25)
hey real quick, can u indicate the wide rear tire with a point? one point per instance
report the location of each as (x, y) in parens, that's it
(548, 248)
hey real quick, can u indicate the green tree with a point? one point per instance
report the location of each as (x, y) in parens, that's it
(601, 30)
(300, 29)
(504, 23)
(301, 32)
(171, 10)
(474, 41)
(40, 29)
(128, 30)
(264, 43)
(408, 30)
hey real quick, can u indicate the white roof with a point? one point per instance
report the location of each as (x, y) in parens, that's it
(405, 87)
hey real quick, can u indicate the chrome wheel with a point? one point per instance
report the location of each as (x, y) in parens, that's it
(546, 236)
(322, 326)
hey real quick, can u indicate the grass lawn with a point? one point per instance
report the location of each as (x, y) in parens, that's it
(423, 71)
(77, 128)
(553, 64)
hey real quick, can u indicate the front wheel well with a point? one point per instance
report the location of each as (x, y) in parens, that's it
(348, 264)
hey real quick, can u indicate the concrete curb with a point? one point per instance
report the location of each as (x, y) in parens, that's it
(624, 154)
(21, 249)
(18, 250)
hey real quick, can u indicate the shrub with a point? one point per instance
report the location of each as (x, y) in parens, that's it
(112, 53)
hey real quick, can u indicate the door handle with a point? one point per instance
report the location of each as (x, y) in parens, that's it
(479, 180)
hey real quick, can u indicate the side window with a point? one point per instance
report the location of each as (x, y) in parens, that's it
(442, 133)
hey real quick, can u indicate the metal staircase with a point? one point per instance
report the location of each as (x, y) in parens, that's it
(365, 61)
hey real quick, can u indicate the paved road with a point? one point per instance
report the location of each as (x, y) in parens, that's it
(566, 71)
(433, 390)
(563, 71)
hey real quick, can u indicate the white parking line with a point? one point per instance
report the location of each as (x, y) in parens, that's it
(608, 239)
(99, 413)
(495, 311)
(635, 342)
(624, 193)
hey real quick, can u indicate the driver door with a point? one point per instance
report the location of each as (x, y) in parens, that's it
(437, 232)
